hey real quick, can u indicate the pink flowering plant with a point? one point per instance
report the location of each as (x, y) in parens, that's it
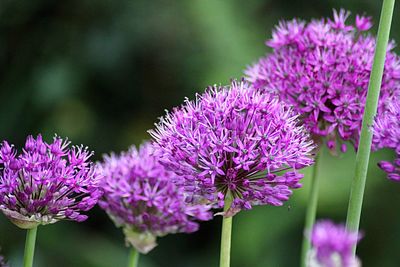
(332, 246)
(233, 147)
(46, 183)
(236, 147)
(322, 68)
(140, 196)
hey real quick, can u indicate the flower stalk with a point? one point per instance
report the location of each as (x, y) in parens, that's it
(226, 234)
(363, 154)
(30, 247)
(311, 209)
(133, 258)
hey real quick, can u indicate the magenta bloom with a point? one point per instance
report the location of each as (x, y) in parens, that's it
(234, 139)
(46, 182)
(332, 246)
(363, 23)
(140, 196)
(322, 68)
(387, 135)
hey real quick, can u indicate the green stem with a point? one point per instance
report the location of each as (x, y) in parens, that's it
(30, 247)
(311, 209)
(133, 258)
(225, 256)
(364, 148)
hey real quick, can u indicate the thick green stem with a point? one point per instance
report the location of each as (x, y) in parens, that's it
(311, 209)
(364, 148)
(30, 247)
(225, 256)
(133, 258)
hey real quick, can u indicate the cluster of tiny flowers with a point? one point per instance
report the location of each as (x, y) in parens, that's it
(234, 139)
(140, 196)
(322, 68)
(332, 246)
(46, 182)
(387, 135)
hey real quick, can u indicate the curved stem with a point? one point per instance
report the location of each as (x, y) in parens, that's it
(133, 258)
(30, 247)
(225, 255)
(311, 209)
(364, 148)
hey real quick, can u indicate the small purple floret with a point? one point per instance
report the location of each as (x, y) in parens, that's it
(363, 23)
(140, 196)
(332, 246)
(234, 140)
(46, 182)
(322, 68)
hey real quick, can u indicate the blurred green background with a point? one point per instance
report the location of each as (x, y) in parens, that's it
(101, 72)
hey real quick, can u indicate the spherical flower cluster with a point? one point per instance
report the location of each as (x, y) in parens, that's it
(322, 68)
(234, 140)
(387, 135)
(140, 196)
(46, 182)
(332, 246)
(3, 262)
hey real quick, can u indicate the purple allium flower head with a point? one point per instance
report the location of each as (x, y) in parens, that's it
(322, 68)
(235, 140)
(140, 196)
(3, 262)
(387, 135)
(46, 182)
(332, 246)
